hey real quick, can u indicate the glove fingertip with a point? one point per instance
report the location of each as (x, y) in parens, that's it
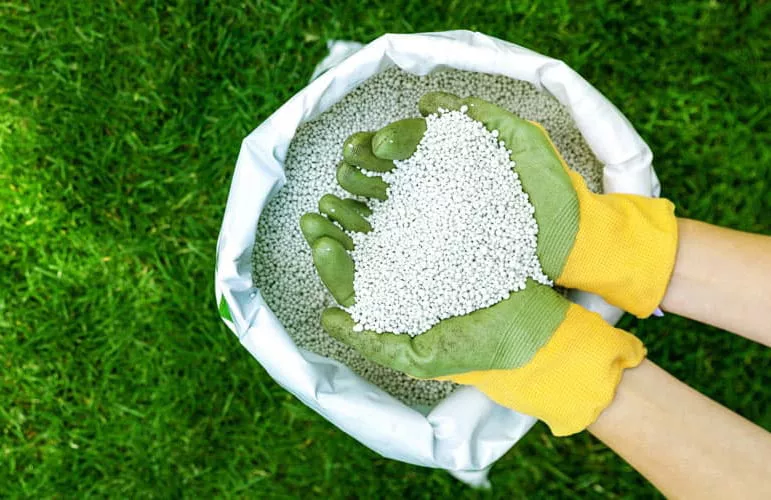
(399, 140)
(335, 267)
(337, 323)
(432, 102)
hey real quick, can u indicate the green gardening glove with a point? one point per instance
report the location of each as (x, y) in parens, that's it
(621, 247)
(534, 352)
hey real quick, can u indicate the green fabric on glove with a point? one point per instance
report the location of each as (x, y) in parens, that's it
(540, 170)
(343, 213)
(505, 335)
(358, 206)
(357, 151)
(398, 140)
(315, 226)
(335, 268)
(356, 182)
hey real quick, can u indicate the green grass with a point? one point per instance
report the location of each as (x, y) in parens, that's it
(120, 123)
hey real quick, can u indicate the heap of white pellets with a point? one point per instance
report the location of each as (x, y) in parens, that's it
(456, 234)
(283, 270)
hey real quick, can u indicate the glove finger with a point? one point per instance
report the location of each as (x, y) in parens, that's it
(315, 226)
(432, 102)
(357, 182)
(399, 140)
(358, 206)
(357, 151)
(387, 349)
(335, 268)
(342, 213)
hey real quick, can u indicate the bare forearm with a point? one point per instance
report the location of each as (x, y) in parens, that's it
(687, 445)
(723, 277)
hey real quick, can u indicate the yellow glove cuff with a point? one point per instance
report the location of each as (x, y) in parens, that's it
(625, 249)
(571, 379)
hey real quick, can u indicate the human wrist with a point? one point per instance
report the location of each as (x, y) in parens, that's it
(571, 379)
(624, 251)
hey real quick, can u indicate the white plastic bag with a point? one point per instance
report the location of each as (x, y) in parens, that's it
(466, 432)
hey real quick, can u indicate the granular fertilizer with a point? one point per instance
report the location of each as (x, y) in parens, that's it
(456, 234)
(282, 266)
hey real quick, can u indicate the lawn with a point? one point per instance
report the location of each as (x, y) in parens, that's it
(120, 123)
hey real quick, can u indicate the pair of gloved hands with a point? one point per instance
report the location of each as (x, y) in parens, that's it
(535, 352)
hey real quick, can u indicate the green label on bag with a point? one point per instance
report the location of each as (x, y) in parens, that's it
(225, 310)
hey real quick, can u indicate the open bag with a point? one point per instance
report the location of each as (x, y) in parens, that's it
(466, 432)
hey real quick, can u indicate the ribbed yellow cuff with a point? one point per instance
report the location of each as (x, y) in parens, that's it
(571, 379)
(625, 249)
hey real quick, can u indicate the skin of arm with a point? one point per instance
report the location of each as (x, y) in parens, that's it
(722, 277)
(687, 445)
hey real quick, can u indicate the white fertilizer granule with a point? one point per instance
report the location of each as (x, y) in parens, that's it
(283, 270)
(456, 234)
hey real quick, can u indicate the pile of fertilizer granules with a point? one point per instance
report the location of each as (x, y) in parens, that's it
(282, 266)
(456, 234)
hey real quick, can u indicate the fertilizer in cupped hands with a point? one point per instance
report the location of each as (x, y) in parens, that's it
(282, 265)
(455, 234)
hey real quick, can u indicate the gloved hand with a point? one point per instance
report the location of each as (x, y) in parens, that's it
(534, 352)
(621, 247)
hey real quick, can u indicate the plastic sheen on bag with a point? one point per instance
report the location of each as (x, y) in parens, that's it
(466, 432)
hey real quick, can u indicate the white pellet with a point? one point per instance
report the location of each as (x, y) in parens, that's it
(456, 234)
(282, 265)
